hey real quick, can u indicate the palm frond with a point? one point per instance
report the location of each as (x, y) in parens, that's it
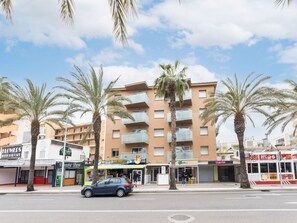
(7, 8)
(67, 10)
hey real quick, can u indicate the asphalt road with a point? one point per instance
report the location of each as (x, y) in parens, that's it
(255, 207)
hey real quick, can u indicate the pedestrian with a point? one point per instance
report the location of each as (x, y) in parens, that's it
(184, 177)
(135, 178)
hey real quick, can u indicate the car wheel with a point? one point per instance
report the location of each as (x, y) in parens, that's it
(120, 193)
(88, 193)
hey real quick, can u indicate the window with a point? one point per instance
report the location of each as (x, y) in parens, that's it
(39, 173)
(138, 150)
(69, 174)
(201, 110)
(182, 149)
(268, 167)
(286, 167)
(202, 94)
(159, 151)
(159, 114)
(158, 132)
(203, 131)
(204, 150)
(116, 134)
(253, 168)
(115, 152)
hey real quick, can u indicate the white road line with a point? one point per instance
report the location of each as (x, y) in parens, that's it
(137, 199)
(36, 199)
(265, 194)
(292, 202)
(146, 211)
(242, 198)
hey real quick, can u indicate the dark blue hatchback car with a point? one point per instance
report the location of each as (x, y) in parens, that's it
(119, 186)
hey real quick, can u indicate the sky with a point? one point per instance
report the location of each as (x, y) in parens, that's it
(214, 39)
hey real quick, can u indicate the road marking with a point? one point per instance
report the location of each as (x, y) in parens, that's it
(146, 211)
(265, 194)
(242, 198)
(137, 199)
(292, 202)
(36, 199)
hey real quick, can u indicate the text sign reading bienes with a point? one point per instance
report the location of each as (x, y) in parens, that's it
(11, 152)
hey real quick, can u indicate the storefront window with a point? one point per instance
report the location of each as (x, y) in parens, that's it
(264, 167)
(39, 173)
(272, 167)
(268, 167)
(286, 167)
(253, 168)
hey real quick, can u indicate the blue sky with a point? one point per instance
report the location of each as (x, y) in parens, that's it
(214, 39)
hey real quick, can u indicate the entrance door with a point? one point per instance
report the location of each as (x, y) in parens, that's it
(139, 176)
(50, 176)
(24, 176)
(154, 174)
(226, 173)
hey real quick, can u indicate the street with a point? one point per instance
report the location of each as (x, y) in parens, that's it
(253, 206)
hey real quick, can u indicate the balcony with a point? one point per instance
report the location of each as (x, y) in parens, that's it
(182, 116)
(181, 136)
(8, 128)
(132, 156)
(140, 118)
(137, 100)
(182, 155)
(139, 137)
(187, 99)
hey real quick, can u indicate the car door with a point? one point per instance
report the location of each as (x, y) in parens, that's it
(100, 187)
(113, 185)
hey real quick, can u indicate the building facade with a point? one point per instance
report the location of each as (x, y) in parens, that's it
(6, 132)
(143, 145)
(76, 133)
(15, 163)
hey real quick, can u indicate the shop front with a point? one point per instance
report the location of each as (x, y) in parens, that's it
(73, 174)
(116, 170)
(190, 167)
(224, 170)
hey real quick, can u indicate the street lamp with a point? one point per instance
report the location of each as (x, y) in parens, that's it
(279, 158)
(64, 148)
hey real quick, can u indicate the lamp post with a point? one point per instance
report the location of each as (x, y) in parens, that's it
(64, 149)
(279, 158)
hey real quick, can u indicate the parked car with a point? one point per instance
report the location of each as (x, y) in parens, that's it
(119, 186)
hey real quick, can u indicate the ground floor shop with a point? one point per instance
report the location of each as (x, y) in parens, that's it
(272, 168)
(46, 172)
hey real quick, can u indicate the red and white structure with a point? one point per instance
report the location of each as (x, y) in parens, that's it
(278, 167)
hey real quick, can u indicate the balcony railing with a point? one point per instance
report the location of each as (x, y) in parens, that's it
(140, 137)
(132, 156)
(181, 116)
(139, 118)
(137, 100)
(181, 155)
(187, 99)
(182, 136)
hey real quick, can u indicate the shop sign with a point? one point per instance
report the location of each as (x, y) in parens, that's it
(252, 157)
(268, 176)
(68, 151)
(187, 162)
(11, 152)
(287, 176)
(70, 165)
(268, 157)
(294, 156)
(217, 162)
(286, 156)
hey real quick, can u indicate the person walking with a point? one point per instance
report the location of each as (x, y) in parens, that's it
(135, 178)
(184, 177)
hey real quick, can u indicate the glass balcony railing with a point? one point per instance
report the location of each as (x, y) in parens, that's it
(181, 136)
(140, 137)
(132, 156)
(139, 118)
(182, 155)
(140, 99)
(181, 115)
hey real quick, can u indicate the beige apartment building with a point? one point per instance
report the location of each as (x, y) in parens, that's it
(143, 145)
(75, 135)
(6, 136)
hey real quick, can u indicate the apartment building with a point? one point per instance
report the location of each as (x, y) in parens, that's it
(76, 133)
(144, 144)
(6, 132)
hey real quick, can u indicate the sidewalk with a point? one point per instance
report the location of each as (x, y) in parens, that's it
(150, 188)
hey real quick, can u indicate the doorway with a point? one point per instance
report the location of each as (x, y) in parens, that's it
(226, 173)
(24, 176)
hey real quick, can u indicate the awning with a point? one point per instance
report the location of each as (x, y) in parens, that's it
(118, 166)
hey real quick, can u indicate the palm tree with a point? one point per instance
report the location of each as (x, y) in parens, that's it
(171, 84)
(4, 86)
(35, 104)
(286, 109)
(282, 2)
(239, 102)
(89, 96)
(120, 9)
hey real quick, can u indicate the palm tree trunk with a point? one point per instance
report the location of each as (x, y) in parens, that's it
(172, 107)
(35, 127)
(97, 129)
(239, 126)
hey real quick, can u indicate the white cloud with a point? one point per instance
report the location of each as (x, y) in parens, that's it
(289, 55)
